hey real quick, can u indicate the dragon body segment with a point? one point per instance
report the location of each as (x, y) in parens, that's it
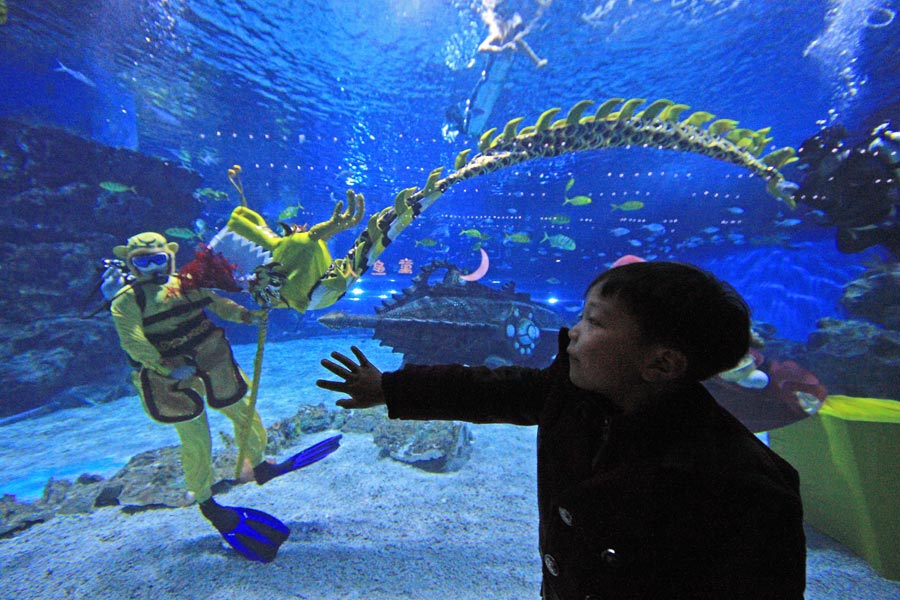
(657, 126)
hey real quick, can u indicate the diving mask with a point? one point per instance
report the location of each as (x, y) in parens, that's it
(147, 261)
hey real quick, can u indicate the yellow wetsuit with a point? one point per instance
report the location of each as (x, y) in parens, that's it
(162, 327)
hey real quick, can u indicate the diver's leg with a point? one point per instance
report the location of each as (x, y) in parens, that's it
(524, 47)
(196, 456)
(253, 533)
(254, 440)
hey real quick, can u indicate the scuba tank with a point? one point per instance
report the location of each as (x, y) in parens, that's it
(109, 270)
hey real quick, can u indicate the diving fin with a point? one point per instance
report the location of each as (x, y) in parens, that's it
(266, 471)
(254, 534)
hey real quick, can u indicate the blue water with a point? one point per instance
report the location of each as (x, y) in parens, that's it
(319, 97)
(313, 97)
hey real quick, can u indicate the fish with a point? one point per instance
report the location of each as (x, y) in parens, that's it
(553, 281)
(620, 231)
(208, 193)
(630, 205)
(711, 230)
(578, 200)
(654, 227)
(183, 156)
(116, 187)
(735, 210)
(200, 228)
(441, 231)
(208, 158)
(165, 116)
(426, 242)
(290, 212)
(78, 75)
(518, 238)
(788, 223)
(559, 241)
(560, 219)
(635, 243)
(473, 233)
(182, 233)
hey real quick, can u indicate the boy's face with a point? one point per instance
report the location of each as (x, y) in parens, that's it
(606, 353)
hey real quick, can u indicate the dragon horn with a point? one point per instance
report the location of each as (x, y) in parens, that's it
(341, 220)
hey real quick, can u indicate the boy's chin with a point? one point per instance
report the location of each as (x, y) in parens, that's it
(576, 378)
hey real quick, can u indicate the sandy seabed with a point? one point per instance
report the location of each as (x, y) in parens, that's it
(361, 527)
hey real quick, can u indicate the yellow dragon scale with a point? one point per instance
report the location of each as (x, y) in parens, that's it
(606, 129)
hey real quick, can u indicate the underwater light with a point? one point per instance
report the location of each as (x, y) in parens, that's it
(357, 291)
(552, 300)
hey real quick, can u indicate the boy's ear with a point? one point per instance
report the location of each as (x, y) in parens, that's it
(664, 365)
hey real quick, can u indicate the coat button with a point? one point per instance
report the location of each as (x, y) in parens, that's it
(551, 564)
(566, 516)
(609, 557)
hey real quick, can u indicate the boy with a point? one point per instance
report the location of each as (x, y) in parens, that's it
(647, 489)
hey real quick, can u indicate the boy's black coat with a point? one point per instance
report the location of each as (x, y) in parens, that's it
(680, 503)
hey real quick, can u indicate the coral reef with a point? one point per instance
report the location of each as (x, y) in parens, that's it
(858, 356)
(67, 202)
(154, 480)
(875, 296)
(435, 446)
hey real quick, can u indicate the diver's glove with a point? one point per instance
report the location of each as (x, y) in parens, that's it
(113, 280)
(253, 317)
(265, 285)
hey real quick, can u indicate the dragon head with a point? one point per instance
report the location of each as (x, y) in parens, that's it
(296, 260)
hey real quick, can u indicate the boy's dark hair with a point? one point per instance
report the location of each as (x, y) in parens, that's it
(684, 308)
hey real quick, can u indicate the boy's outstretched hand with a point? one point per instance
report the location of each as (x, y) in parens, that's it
(362, 382)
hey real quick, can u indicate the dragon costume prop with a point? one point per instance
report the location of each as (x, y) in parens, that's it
(296, 270)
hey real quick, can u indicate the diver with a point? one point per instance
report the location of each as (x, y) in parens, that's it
(857, 188)
(509, 34)
(180, 356)
(468, 117)
(506, 36)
